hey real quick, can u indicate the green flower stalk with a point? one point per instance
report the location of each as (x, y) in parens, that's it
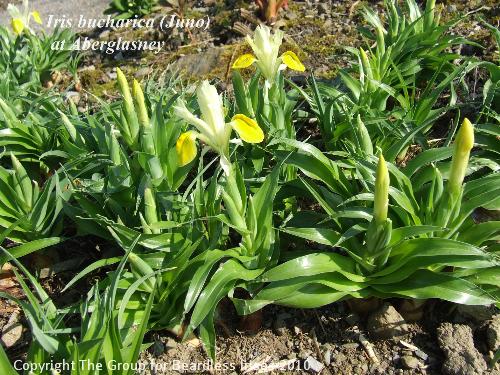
(363, 137)
(381, 202)
(379, 231)
(70, 128)
(463, 146)
(114, 148)
(141, 268)
(150, 208)
(146, 132)
(22, 183)
(367, 69)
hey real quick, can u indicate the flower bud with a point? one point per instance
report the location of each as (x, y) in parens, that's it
(70, 128)
(123, 86)
(464, 142)
(363, 137)
(381, 203)
(128, 108)
(141, 104)
(367, 70)
(22, 182)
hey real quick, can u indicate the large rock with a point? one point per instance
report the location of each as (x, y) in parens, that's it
(386, 323)
(457, 343)
(493, 334)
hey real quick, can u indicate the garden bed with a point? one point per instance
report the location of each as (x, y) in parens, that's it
(387, 338)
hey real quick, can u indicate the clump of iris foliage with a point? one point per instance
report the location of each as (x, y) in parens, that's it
(209, 195)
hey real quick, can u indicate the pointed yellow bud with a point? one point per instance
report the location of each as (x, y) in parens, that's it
(36, 17)
(141, 104)
(381, 202)
(123, 85)
(291, 60)
(464, 142)
(365, 63)
(247, 129)
(17, 25)
(244, 61)
(186, 148)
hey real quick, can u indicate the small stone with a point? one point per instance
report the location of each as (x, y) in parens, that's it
(104, 35)
(296, 330)
(45, 272)
(112, 75)
(74, 96)
(340, 357)
(12, 331)
(386, 323)
(291, 15)
(143, 72)
(350, 345)
(292, 355)
(493, 333)
(279, 326)
(171, 343)
(409, 362)
(420, 354)
(327, 357)
(89, 68)
(303, 354)
(194, 342)
(313, 365)
(323, 8)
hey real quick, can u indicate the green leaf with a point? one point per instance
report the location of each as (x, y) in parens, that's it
(5, 366)
(90, 268)
(221, 283)
(425, 284)
(320, 235)
(480, 233)
(313, 264)
(30, 247)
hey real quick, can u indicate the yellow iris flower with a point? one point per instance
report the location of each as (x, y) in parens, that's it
(20, 19)
(212, 128)
(266, 47)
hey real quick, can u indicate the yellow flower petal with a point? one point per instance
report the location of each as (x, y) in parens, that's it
(17, 25)
(244, 61)
(291, 60)
(186, 148)
(247, 129)
(36, 17)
